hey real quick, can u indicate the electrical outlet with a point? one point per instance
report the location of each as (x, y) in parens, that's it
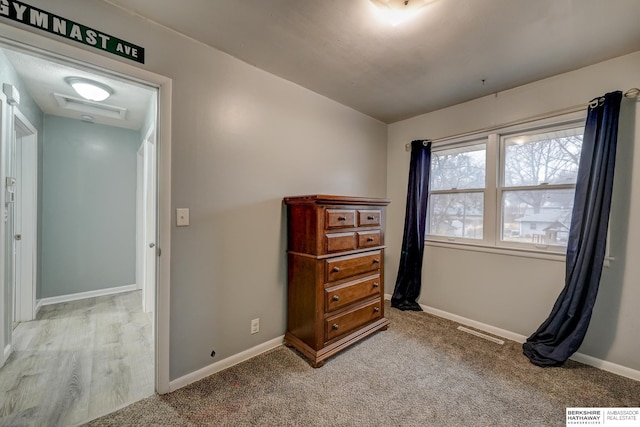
(255, 326)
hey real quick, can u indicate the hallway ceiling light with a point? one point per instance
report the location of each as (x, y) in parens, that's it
(89, 89)
(397, 11)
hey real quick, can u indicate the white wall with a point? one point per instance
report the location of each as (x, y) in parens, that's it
(515, 293)
(242, 139)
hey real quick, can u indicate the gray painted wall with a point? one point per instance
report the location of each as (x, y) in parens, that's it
(516, 293)
(89, 194)
(242, 139)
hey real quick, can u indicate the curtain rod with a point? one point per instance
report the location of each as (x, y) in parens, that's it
(631, 93)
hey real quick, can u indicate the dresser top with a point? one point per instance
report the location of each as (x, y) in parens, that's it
(324, 199)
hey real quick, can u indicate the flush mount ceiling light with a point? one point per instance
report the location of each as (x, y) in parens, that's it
(397, 11)
(89, 89)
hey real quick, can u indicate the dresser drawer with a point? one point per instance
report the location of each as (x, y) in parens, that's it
(337, 242)
(369, 217)
(339, 296)
(340, 218)
(352, 319)
(368, 239)
(352, 265)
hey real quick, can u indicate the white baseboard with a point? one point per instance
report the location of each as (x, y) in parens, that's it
(224, 364)
(7, 352)
(614, 368)
(83, 295)
(475, 324)
(578, 357)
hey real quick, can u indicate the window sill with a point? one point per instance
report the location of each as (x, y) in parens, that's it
(517, 252)
(469, 246)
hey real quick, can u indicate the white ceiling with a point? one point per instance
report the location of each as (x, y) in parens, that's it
(453, 51)
(44, 78)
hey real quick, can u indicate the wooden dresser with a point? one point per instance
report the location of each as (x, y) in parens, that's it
(336, 272)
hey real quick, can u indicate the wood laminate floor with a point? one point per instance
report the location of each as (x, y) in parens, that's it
(78, 360)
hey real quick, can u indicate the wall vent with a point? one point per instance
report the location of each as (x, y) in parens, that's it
(90, 107)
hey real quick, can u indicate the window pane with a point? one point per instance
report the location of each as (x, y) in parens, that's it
(460, 168)
(456, 215)
(540, 217)
(550, 157)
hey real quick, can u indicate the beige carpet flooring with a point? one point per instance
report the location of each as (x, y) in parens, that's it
(420, 372)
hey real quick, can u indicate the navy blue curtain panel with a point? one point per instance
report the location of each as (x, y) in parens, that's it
(409, 281)
(562, 333)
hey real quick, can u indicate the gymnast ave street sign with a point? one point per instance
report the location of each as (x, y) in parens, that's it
(54, 24)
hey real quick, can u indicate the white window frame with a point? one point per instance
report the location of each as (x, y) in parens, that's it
(502, 188)
(492, 229)
(474, 142)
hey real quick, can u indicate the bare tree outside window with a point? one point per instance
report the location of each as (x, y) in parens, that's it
(457, 192)
(541, 169)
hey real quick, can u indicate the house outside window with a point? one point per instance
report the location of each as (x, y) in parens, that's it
(538, 177)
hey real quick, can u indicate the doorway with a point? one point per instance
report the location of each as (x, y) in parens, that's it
(25, 222)
(146, 202)
(20, 160)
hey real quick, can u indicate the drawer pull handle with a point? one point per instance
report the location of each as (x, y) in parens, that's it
(336, 269)
(369, 239)
(376, 261)
(336, 298)
(342, 218)
(376, 284)
(376, 309)
(371, 217)
(335, 326)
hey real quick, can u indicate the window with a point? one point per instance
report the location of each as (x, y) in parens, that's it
(456, 197)
(511, 189)
(539, 181)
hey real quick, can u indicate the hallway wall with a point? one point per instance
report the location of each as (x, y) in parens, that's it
(89, 200)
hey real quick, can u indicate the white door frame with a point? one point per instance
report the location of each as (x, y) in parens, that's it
(146, 230)
(26, 217)
(140, 252)
(149, 224)
(6, 299)
(100, 62)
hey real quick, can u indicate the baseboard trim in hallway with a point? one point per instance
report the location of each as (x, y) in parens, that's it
(84, 295)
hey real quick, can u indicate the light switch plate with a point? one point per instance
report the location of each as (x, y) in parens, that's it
(182, 217)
